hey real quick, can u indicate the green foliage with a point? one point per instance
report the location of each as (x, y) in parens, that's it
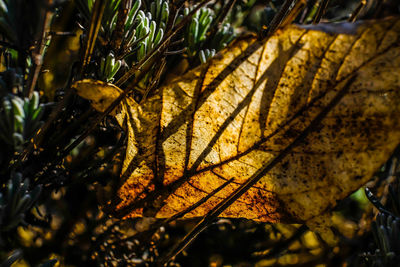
(196, 32)
(150, 34)
(223, 37)
(19, 119)
(109, 67)
(196, 35)
(206, 54)
(160, 12)
(16, 200)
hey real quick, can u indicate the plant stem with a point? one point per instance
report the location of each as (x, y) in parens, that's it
(357, 11)
(95, 23)
(38, 52)
(321, 11)
(276, 21)
(118, 33)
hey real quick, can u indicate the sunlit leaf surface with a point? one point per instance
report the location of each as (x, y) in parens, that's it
(233, 115)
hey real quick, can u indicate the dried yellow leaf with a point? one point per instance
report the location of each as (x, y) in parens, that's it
(232, 116)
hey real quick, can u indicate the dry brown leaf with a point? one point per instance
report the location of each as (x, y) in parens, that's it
(232, 116)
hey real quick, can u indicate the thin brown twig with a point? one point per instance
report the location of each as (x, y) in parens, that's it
(307, 10)
(177, 42)
(175, 52)
(276, 21)
(199, 203)
(321, 11)
(95, 23)
(357, 11)
(294, 12)
(155, 81)
(38, 52)
(118, 33)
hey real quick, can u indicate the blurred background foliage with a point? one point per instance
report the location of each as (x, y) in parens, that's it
(56, 169)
